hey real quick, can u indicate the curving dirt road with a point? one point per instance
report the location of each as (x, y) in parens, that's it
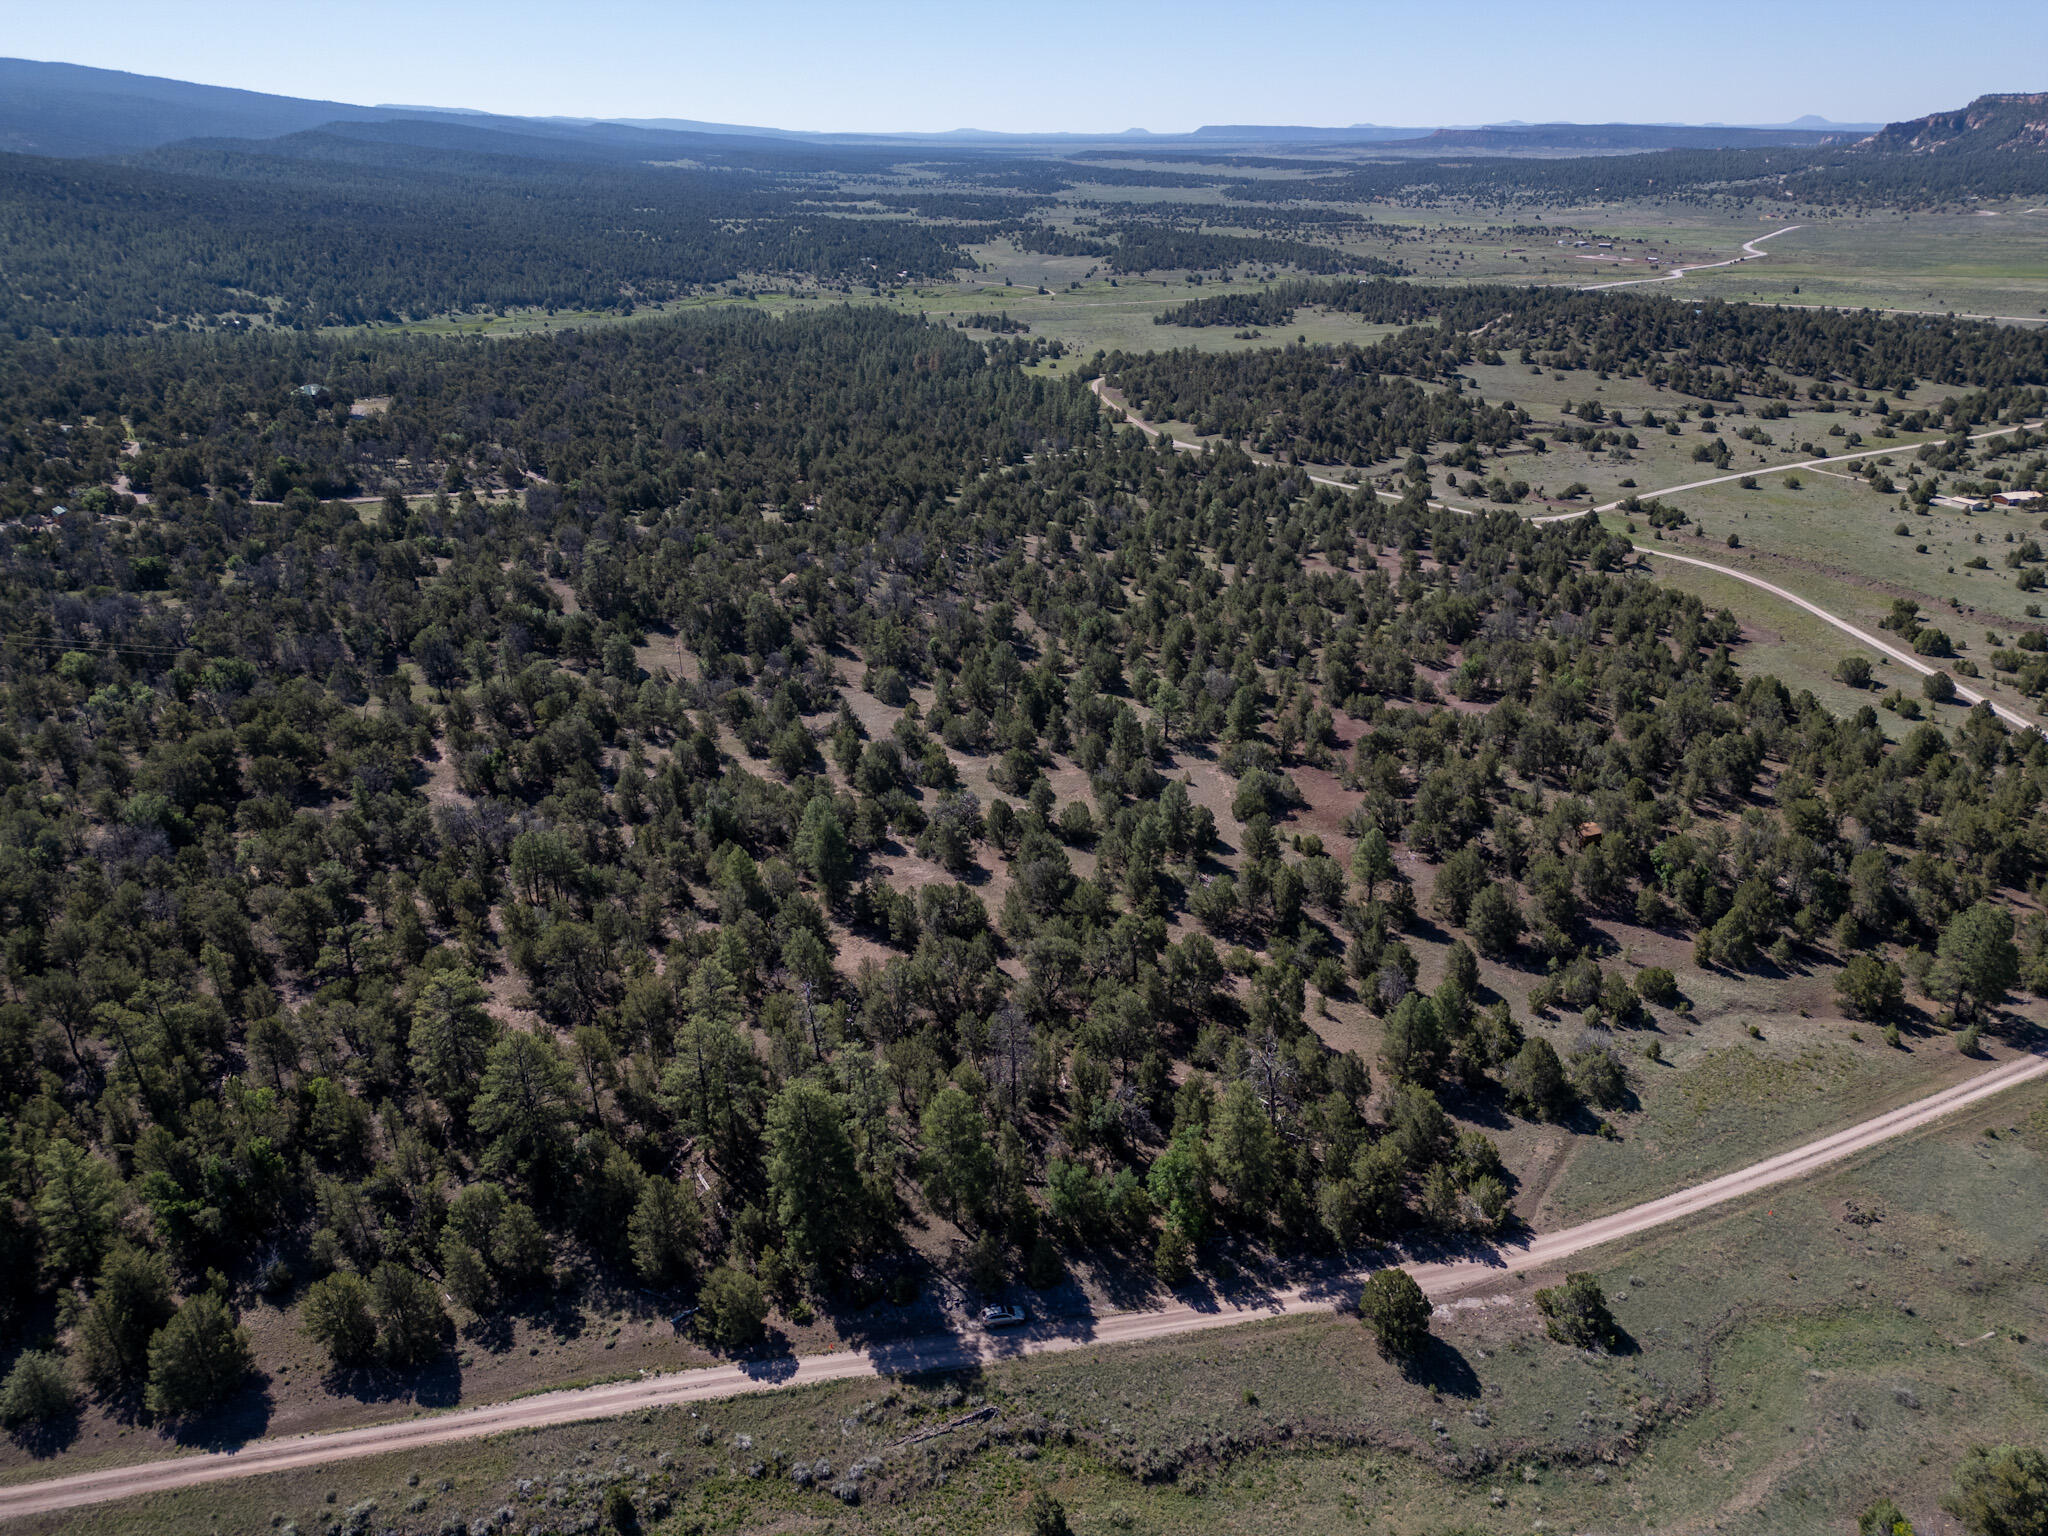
(952, 1351)
(1967, 695)
(1749, 253)
(1885, 647)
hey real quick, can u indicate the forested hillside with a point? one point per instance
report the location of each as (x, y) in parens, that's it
(236, 235)
(386, 222)
(2014, 124)
(480, 882)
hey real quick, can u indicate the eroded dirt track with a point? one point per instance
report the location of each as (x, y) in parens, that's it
(954, 1350)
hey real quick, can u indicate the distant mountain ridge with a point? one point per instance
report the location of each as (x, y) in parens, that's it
(76, 111)
(1590, 137)
(2014, 123)
(70, 110)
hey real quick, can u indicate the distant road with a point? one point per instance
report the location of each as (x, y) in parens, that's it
(1749, 253)
(1967, 695)
(1884, 647)
(956, 1350)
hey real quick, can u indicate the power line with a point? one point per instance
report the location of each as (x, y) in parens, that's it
(140, 647)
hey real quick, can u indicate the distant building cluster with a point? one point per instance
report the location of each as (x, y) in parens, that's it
(1986, 503)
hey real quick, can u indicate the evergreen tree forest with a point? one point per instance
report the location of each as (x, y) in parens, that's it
(232, 237)
(445, 790)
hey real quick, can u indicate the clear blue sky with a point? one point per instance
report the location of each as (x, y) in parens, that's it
(1093, 67)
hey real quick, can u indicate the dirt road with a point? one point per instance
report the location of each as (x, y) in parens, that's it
(1967, 695)
(1884, 647)
(1749, 253)
(949, 1351)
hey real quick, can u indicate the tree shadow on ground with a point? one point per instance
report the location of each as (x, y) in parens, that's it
(1587, 1118)
(1422, 1246)
(1482, 1106)
(885, 1303)
(2016, 1030)
(974, 874)
(242, 1418)
(435, 1383)
(773, 1360)
(493, 1331)
(51, 1437)
(1423, 926)
(1225, 1281)
(968, 1380)
(1442, 1367)
(1121, 1273)
(1913, 1021)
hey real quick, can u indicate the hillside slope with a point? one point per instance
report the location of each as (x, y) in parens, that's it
(2015, 122)
(71, 110)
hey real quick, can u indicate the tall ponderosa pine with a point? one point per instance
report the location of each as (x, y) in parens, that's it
(1977, 962)
(712, 1084)
(336, 1315)
(959, 1162)
(1246, 1150)
(813, 1182)
(663, 1231)
(451, 1037)
(74, 1207)
(524, 1105)
(131, 1300)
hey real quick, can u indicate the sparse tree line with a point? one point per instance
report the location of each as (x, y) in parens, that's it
(1361, 405)
(1822, 176)
(1148, 245)
(1730, 346)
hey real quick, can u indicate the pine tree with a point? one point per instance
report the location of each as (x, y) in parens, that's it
(37, 1391)
(1372, 861)
(1246, 1150)
(74, 1207)
(411, 1327)
(131, 1300)
(813, 1183)
(524, 1104)
(1977, 962)
(197, 1359)
(821, 849)
(959, 1164)
(663, 1231)
(336, 1315)
(1396, 1310)
(451, 1038)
